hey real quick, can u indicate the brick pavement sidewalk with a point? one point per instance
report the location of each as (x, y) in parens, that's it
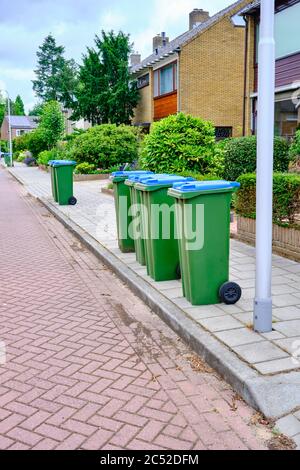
(88, 365)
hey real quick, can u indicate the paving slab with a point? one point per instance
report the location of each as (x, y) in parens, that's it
(253, 384)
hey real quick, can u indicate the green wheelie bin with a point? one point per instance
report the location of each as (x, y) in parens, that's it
(137, 228)
(53, 180)
(122, 207)
(203, 230)
(158, 220)
(7, 159)
(63, 181)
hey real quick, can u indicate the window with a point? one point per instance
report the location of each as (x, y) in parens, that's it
(223, 133)
(20, 132)
(165, 80)
(287, 37)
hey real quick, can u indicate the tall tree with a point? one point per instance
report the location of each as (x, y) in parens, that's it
(106, 92)
(36, 110)
(52, 123)
(55, 76)
(18, 107)
(2, 108)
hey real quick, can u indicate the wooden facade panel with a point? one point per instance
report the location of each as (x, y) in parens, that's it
(165, 105)
(287, 71)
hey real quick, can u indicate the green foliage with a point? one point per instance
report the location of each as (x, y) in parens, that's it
(286, 197)
(21, 157)
(21, 143)
(105, 146)
(56, 77)
(4, 146)
(37, 142)
(295, 152)
(52, 123)
(106, 92)
(179, 143)
(36, 110)
(2, 108)
(240, 156)
(85, 168)
(44, 157)
(18, 107)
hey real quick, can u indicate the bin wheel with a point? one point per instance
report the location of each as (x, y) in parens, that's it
(72, 201)
(230, 293)
(178, 271)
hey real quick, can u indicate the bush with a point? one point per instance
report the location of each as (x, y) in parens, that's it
(105, 146)
(85, 168)
(286, 197)
(37, 142)
(179, 143)
(240, 156)
(21, 143)
(22, 157)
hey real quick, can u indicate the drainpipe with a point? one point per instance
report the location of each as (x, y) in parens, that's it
(264, 186)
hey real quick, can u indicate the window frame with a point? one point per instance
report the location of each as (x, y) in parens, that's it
(157, 73)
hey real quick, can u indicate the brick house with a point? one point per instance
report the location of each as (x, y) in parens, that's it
(287, 93)
(200, 72)
(19, 125)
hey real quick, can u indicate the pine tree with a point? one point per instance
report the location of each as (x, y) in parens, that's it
(18, 107)
(106, 92)
(55, 76)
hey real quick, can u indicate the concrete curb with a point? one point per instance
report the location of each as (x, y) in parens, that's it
(274, 396)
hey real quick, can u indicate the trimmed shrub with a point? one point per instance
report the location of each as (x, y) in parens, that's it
(105, 146)
(240, 156)
(85, 168)
(179, 143)
(286, 197)
(295, 154)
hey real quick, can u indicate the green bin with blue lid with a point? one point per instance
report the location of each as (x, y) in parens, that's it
(158, 220)
(136, 212)
(203, 230)
(63, 181)
(122, 207)
(53, 180)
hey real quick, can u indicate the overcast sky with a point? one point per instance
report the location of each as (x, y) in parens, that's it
(74, 23)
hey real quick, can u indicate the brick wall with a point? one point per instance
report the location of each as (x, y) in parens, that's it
(144, 110)
(212, 75)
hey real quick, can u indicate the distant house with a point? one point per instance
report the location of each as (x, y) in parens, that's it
(19, 125)
(201, 72)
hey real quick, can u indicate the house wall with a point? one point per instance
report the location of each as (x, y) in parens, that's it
(144, 111)
(4, 130)
(212, 75)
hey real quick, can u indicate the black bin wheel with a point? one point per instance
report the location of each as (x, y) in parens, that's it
(178, 271)
(230, 293)
(72, 201)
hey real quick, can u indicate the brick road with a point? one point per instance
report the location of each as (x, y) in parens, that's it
(88, 365)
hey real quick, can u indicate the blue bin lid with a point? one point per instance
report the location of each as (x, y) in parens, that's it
(141, 177)
(164, 180)
(56, 163)
(205, 186)
(51, 162)
(120, 174)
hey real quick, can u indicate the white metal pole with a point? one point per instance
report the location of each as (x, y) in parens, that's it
(9, 131)
(264, 190)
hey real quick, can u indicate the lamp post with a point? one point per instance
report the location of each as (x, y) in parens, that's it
(265, 153)
(9, 128)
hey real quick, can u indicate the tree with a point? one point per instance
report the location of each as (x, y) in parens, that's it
(36, 110)
(106, 93)
(51, 123)
(55, 76)
(18, 107)
(2, 107)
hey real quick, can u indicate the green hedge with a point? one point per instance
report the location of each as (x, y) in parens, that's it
(286, 197)
(240, 156)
